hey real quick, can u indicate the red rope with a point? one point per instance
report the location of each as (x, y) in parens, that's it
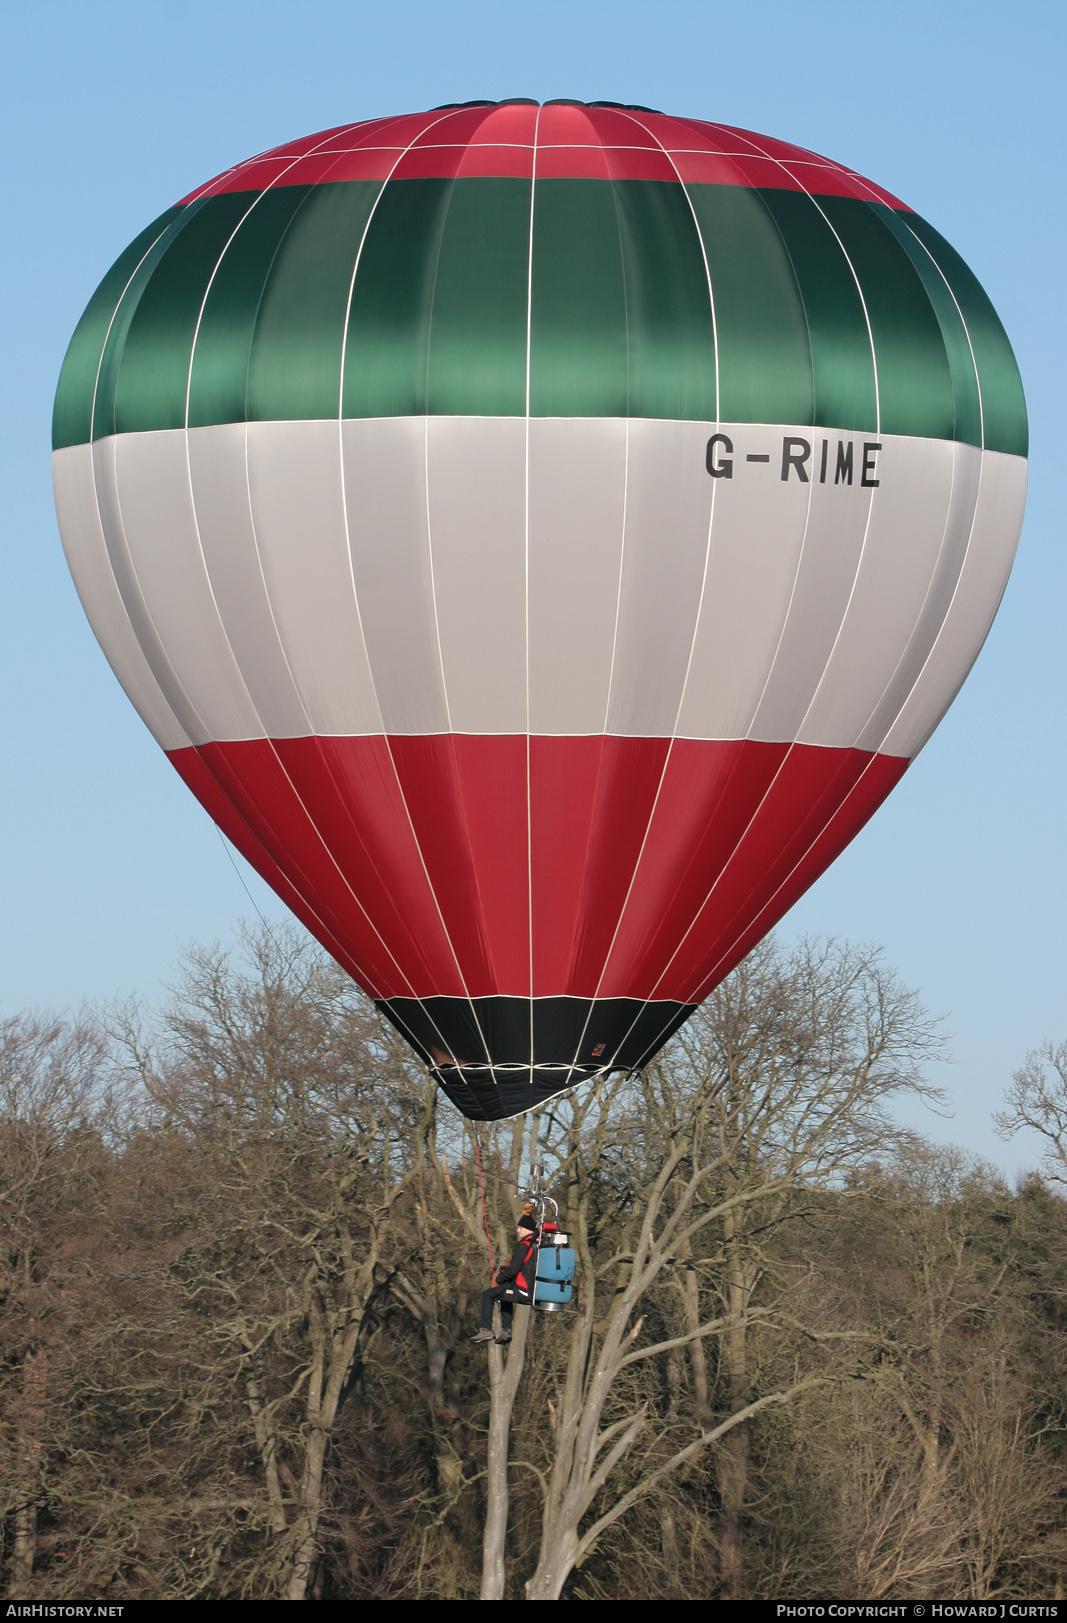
(485, 1209)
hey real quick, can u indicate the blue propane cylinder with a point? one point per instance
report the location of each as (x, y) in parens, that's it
(555, 1270)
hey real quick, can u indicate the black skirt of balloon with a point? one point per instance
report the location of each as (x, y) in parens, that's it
(498, 1056)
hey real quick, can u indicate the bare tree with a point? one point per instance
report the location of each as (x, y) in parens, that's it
(1037, 1099)
(50, 1152)
(930, 1473)
(780, 1083)
(805, 1350)
(302, 1109)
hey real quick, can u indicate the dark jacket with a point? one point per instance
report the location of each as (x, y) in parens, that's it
(521, 1266)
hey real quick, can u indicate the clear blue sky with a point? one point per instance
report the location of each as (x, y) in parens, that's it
(112, 111)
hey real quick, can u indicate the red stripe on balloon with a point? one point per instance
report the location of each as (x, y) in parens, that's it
(761, 852)
(651, 867)
(783, 884)
(709, 796)
(197, 777)
(573, 142)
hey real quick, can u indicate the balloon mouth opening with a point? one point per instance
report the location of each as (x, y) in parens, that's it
(516, 1068)
(499, 1092)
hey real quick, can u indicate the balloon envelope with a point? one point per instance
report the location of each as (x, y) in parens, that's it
(540, 536)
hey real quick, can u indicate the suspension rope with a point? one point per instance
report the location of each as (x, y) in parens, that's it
(485, 1209)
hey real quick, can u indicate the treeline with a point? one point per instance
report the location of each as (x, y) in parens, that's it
(243, 1243)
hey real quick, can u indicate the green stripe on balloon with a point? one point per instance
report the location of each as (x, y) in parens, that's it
(842, 367)
(152, 371)
(438, 319)
(72, 414)
(1003, 401)
(218, 386)
(477, 337)
(620, 317)
(765, 359)
(620, 323)
(294, 367)
(967, 425)
(114, 352)
(914, 381)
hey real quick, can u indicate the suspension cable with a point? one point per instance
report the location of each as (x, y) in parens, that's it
(485, 1209)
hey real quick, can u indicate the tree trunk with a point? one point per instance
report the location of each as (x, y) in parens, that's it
(448, 1464)
(25, 1548)
(697, 1357)
(267, 1446)
(672, 1561)
(307, 1552)
(503, 1385)
(733, 1472)
(932, 1441)
(31, 1429)
(733, 1467)
(322, 1406)
(307, 1520)
(554, 1566)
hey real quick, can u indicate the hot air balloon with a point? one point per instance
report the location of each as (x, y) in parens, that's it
(540, 537)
